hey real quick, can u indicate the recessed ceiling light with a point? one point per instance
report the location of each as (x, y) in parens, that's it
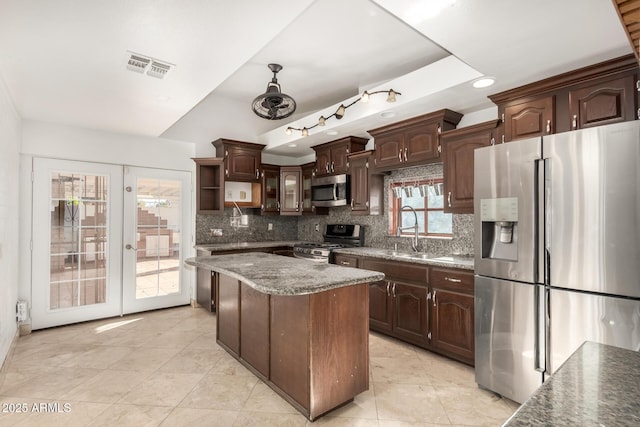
(292, 145)
(483, 82)
(387, 114)
(332, 132)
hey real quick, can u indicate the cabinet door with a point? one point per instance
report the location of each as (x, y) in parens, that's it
(228, 322)
(345, 260)
(389, 150)
(323, 161)
(603, 103)
(452, 324)
(409, 312)
(254, 321)
(270, 190)
(242, 164)
(290, 190)
(380, 306)
(529, 119)
(359, 184)
(421, 143)
(457, 160)
(339, 154)
(205, 294)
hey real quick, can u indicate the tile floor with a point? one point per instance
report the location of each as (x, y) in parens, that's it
(164, 368)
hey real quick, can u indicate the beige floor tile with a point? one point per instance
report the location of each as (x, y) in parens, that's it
(189, 417)
(145, 359)
(51, 385)
(263, 399)
(70, 414)
(332, 421)
(362, 407)
(383, 346)
(47, 354)
(131, 415)
(108, 386)
(476, 407)
(162, 388)
(261, 419)
(192, 360)
(215, 391)
(97, 357)
(409, 402)
(227, 365)
(399, 370)
(206, 341)
(173, 339)
(394, 423)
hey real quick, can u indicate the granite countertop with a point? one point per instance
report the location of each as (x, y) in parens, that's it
(214, 247)
(279, 275)
(452, 261)
(599, 385)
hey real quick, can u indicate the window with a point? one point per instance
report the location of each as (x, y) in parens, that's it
(432, 220)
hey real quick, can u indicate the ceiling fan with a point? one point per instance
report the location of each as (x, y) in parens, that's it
(273, 104)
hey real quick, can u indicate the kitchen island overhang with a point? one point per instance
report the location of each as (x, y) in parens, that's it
(301, 327)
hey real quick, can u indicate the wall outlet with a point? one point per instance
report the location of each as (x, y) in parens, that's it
(216, 232)
(21, 311)
(317, 227)
(270, 227)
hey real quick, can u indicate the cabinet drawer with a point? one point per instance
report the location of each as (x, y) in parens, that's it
(455, 279)
(346, 260)
(397, 270)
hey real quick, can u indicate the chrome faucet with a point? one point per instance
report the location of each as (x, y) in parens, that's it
(414, 227)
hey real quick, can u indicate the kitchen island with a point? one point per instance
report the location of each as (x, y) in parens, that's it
(301, 327)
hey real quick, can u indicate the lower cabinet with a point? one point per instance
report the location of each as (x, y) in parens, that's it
(432, 307)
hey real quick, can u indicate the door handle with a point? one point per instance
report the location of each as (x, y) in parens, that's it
(128, 246)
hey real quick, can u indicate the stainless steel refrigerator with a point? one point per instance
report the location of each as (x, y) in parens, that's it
(557, 252)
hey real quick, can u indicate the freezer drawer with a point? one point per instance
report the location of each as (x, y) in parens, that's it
(577, 317)
(505, 323)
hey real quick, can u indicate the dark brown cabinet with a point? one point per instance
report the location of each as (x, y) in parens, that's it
(290, 190)
(398, 304)
(228, 319)
(452, 313)
(270, 190)
(412, 142)
(603, 102)
(209, 186)
(458, 146)
(308, 171)
(432, 307)
(206, 285)
(367, 188)
(254, 321)
(242, 160)
(529, 119)
(331, 157)
(600, 94)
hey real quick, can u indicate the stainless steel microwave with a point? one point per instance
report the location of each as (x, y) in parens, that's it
(330, 191)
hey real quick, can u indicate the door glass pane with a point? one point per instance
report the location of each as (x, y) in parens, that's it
(158, 237)
(290, 191)
(78, 260)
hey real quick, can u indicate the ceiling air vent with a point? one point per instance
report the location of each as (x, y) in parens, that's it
(146, 64)
(137, 63)
(158, 69)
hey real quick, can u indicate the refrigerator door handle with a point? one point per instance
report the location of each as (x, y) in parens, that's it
(547, 222)
(539, 329)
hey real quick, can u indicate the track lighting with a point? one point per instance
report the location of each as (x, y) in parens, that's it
(391, 97)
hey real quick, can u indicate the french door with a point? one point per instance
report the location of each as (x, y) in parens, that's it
(77, 235)
(107, 241)
(157, 212)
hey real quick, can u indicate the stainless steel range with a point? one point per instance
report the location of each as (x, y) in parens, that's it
(335, 236)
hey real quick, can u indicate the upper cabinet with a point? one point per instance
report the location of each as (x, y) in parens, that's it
(458, 146)
(600, 94)
(412, 142)
(209, 185)
(367, 189)
(291, 190)
(331, 157)
(242, 160)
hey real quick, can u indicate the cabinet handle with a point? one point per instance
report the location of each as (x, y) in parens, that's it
(297, 205)
(493, 141)
(326, 167)
(434, 297)
(262, 207)
(226, 172)
(451, 279)
(333, 169)
(400, 155)
(257, 173)
(548, 126)
(574, 122)
(429, 336)
(503, 139)
(345, 263)
(388, 284)
(278, 204)
(352, 203)
(449, 199)
(428, 295)
(394, 289)
(405, 154)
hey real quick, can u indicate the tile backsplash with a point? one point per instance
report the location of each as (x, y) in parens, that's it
(304, 228)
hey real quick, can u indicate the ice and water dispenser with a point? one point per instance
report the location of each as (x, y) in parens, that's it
(499, 219)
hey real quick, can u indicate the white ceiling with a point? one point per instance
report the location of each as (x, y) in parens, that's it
(65, 61)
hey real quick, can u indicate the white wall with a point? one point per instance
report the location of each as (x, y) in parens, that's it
(9, 155)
